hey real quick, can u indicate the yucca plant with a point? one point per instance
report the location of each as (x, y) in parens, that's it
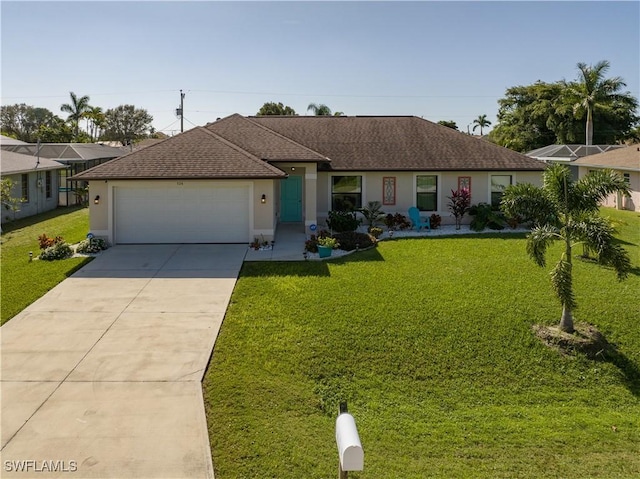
(566, 210)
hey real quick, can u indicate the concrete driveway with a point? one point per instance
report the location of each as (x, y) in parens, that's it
(101, 377)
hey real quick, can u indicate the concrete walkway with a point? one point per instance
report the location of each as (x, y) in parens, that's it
(101, 377)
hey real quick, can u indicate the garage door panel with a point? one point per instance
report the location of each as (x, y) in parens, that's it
(182, 214)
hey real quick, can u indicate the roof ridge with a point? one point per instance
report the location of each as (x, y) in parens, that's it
(286, 138)
(241, 150)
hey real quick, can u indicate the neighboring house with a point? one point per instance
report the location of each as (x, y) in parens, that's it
(625, 161)
(237, 178)
(35, 181)
(567, 154)
(76, 157)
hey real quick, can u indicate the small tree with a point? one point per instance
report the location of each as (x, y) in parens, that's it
(9, 202)
(459, 204)
(373, 213)
(567, 211)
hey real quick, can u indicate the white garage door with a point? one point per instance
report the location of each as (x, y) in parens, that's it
(215, 213)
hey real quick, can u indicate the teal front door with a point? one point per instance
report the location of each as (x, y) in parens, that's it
(291, 199)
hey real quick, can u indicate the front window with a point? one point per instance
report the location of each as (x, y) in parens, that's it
(627, 178)
(25, 187)
(427, 192)
(346, 193)
(499, 183)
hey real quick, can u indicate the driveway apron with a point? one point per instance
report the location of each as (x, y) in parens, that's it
(101, 377)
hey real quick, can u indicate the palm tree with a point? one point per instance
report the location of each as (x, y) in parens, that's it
(76, 110)
(566, 210)
(593, 91)
(481, 122)
(319, 109)
(95, 121)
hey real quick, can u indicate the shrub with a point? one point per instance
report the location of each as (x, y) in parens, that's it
(341, 221)
(375, 231)
(372, 213)
(485, 217)
(47, 242)
(351, 240)
(436, 221)
(60, 250)
(397, 222)
(459, 204)
(94, 245)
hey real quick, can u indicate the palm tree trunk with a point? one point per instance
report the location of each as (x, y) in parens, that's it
(589, 128)
(566, 322)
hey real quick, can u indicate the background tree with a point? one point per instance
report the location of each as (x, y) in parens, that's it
(126, 123)
(272, 108)
(593, 91)
(76, 110)
(481, 122)
(28, 123)
(448, 124)
(567, 211)
(320, 109)
(95, 122)
(541, 114)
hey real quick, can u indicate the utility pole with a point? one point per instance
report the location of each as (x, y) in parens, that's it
(180, 111)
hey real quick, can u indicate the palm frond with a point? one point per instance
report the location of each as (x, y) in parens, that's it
(597, 233)
(558, 184)
(528, 202)
(592, 189)
(562, 283)
(539, 240)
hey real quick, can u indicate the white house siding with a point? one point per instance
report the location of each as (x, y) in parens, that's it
(38, 201)
(618, 201)
(372, 182)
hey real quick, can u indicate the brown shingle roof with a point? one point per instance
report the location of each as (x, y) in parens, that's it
(623, 158)
(395, 143)
(262, 142)
(197, 153)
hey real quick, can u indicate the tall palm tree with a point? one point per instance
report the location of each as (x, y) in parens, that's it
(319, 109)
(593, 91)
(76, 110)
(95, 121)
(481, 122)
(566, 210)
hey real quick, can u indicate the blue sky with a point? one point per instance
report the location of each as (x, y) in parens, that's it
(439, 60)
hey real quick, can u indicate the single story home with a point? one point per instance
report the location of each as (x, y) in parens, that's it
(35, 183)
(239, 177)
(625, 161)
(76, 157)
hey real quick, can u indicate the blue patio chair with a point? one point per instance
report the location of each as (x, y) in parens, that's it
(418, 223)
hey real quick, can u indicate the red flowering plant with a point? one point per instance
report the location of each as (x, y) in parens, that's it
(459, 204)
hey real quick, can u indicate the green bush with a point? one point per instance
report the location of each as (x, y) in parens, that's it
(485, 217)
(58, 251)
(341, 221)
(91, 246)
(350, 239)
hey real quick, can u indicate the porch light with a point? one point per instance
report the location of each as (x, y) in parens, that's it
(263, 199)
(293, 168)
(96, 200)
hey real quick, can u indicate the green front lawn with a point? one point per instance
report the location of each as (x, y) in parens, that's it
(22, 281)
(430, 342)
